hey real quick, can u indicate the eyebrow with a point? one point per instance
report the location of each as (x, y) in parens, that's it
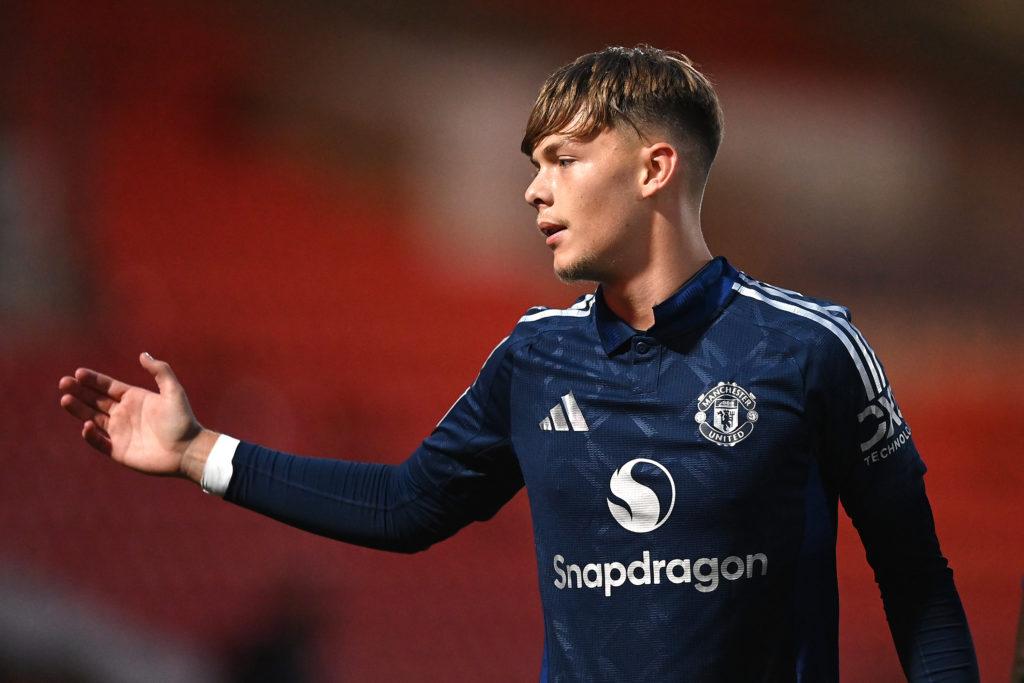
(549, 149)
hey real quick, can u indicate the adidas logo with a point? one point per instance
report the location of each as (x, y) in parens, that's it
(568, 420)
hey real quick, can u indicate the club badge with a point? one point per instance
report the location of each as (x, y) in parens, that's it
(726, 414)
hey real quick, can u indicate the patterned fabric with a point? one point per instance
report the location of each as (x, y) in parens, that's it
(683, 481)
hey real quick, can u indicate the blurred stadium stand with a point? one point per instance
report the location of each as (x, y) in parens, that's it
(313, 210)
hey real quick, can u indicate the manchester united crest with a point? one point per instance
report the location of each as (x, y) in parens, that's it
(726, 414)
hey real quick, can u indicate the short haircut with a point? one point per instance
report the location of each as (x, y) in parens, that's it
(643, 87)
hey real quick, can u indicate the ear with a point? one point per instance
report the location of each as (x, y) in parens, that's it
(661, 163)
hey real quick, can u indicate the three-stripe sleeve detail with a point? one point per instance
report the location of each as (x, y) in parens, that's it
(832, 318)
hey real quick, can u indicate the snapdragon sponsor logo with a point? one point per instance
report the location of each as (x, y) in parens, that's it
(704, 574)
(641, 507)
(642, 498)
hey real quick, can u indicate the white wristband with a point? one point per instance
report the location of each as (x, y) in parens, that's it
(217, 472)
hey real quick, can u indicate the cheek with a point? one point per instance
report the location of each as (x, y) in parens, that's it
(609, 202)
(598, 193)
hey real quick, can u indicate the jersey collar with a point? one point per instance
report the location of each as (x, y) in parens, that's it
(691, 307)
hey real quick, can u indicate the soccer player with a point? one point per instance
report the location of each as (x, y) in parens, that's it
(685, 432)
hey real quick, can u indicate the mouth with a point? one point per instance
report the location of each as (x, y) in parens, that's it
(549, 230)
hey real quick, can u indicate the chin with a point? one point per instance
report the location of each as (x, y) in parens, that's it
(581, 270)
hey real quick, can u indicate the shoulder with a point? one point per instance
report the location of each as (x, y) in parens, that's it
(823, 329)
(536, 323)
(791, 311)
(581, 309)
(540, 320)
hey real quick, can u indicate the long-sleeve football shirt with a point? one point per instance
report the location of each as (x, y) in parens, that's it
(683, 482)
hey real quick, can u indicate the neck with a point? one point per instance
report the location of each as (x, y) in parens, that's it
(674, 257)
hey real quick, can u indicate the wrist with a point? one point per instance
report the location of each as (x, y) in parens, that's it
(193, 460)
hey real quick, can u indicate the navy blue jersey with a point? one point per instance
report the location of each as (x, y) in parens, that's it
(683, 481)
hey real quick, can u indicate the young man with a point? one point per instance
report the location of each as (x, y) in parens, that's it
(685, 432)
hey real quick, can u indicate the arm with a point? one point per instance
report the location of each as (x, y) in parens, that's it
(151, 432)
(880, 481)
(463, 472)
(400, 508)
(925, 615)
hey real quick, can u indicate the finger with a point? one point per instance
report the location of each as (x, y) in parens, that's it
(165, 378)
(97, 438)
(72, 387)
(104, 384)
(83, 411)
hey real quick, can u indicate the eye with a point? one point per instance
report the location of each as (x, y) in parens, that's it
(564, 162)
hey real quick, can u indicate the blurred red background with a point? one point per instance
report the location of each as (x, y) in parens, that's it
(315, 214)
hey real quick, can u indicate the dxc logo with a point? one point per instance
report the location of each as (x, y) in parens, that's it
(885, 416)
(641, 509)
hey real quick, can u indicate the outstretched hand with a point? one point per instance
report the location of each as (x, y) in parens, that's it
(152, 432)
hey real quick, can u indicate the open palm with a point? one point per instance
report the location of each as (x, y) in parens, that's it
(145, 430)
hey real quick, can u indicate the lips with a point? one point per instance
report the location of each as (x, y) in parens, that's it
(549, 230)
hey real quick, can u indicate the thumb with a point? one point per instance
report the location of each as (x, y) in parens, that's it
(166, 381)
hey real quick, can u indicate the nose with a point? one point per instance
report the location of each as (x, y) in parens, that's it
(538, 192)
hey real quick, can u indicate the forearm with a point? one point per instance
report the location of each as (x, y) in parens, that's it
(367, 504)
(463, 472)
(927, 620)
(930, 630)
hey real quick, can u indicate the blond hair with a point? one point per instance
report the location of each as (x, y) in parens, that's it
(643, 87)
